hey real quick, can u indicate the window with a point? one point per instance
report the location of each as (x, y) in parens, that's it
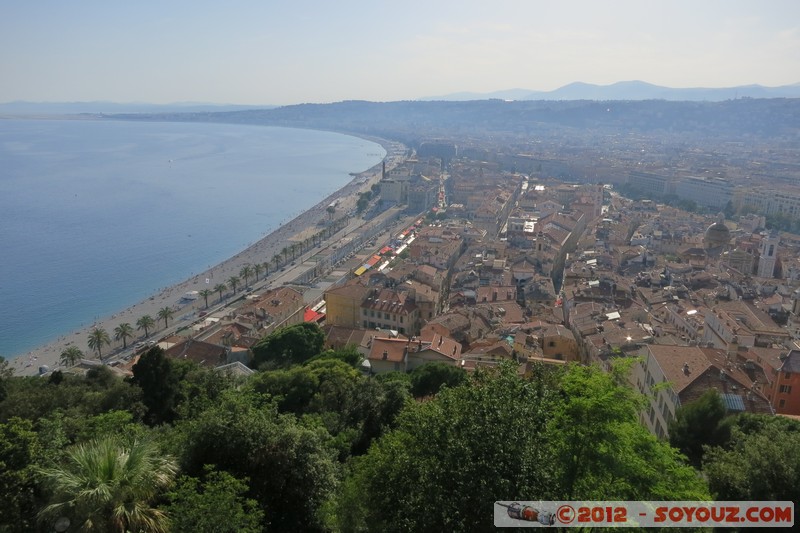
(386, 316)
(551, 344)
(401, 319)
(781, 404)
(787, 375)
(365, 312)
(785, 389)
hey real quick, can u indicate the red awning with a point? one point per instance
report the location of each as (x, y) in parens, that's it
(309, 315)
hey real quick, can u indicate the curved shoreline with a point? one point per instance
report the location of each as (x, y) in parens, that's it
(261, 251)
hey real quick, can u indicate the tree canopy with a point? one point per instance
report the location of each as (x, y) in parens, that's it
(216, 502)
(290, 345)
(106, 486)
(761, 461)
(701, 423)
(312, 443)
(555, 436)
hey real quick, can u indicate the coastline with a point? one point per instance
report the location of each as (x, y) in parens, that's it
(261, 251)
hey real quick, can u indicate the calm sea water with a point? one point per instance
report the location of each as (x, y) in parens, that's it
(96, 216)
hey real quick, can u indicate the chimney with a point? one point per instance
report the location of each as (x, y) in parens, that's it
(686, 368)
(385, 355)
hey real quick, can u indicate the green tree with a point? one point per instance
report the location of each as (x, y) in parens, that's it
(71, 356)
(245, 272)
(601, 451)
(233, 281)
(701, 423)
(205, 293)
(165, 313)
(362, 203)
(290, 465)
(97, 339)
(5, 374)
(760, 463)
(443, 465)
(19, 450)
(217, 502)
(427, 379)
(442, 468)
(159, 378)
(124, 332)
(145, 323)
(276, 260)
(107, 486)
(258, 268)
(220, 288)
(290, 345)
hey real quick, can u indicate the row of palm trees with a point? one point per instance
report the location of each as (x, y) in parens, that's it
(99, 337)
(298, 248)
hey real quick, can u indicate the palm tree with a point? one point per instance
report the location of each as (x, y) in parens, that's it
(277, 260)
(123, 331)
(220, 288)
(165, 313)
(246, 272)
(71, 356)
(258, 268)
(105, 485)
(285, 253)
(205, 293)
(97, 338)
(233, 281)
(145, 323)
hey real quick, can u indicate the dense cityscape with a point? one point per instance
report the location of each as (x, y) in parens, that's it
(574, 310)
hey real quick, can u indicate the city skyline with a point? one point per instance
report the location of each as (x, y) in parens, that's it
(263, 53)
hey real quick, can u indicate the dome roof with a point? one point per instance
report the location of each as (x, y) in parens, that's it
(717, 233)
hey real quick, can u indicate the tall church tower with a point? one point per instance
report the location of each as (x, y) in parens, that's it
(769, 252)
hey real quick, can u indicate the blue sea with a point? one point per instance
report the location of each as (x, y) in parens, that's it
(98, 215)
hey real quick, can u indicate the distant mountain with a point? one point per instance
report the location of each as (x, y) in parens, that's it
(630, 90)
(74, 108)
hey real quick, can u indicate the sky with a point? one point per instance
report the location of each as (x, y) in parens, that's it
(268, 52)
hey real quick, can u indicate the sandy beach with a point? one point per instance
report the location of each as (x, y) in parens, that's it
(259, 252)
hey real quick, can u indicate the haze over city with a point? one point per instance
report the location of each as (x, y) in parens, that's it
(270, 53)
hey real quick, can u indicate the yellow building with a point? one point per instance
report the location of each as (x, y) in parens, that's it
(343, 304)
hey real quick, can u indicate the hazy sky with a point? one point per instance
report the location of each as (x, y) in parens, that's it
(292, 51)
